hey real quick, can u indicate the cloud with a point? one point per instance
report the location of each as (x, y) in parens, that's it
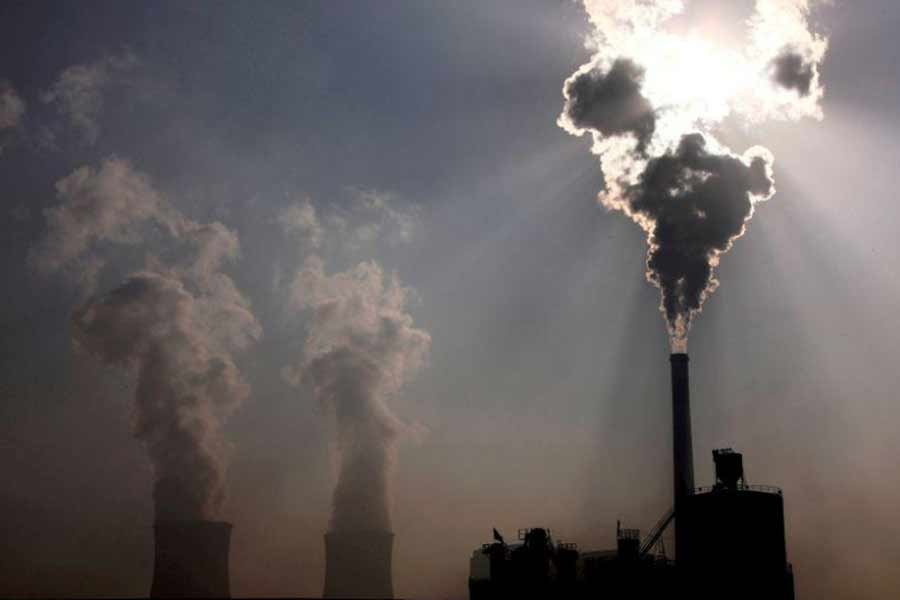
(78, 92)
(609, 102)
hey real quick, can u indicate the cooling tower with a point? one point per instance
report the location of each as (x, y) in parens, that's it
(358, 564)
(682, 450)
(191, 559)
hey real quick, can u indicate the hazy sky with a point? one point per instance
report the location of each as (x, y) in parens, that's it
(424, 136)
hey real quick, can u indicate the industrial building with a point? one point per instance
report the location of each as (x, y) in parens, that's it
(729, 540)
(729, 543)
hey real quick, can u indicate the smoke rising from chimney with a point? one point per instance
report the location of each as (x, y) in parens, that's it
(362, 346)
(176, 326)
(651, 99)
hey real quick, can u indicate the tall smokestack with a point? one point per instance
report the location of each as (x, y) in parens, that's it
(682, 447)
(191, 559)
(358, 564)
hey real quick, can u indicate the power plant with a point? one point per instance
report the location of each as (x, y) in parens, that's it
(729, 540)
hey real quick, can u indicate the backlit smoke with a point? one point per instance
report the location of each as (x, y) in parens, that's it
(175, 326)
(793, 72)
(652, 99)
(361, 347)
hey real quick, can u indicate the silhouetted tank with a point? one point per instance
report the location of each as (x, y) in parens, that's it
(191, 559)
(733, 539)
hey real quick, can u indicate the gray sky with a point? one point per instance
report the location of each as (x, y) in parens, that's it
(544, 399)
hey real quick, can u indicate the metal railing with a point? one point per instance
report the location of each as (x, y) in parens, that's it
(769, 489)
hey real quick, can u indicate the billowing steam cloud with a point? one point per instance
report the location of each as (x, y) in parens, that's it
(651, 100)
(361, 347)
(12, 111)
(112, 204)
(78, 92)
(177, 327)
(12, 107)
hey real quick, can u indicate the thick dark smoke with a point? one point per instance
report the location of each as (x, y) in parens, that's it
(610, 102)
(792, 71)
(698, 203)
(652, 99)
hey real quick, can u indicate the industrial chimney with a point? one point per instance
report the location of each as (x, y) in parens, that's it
(358, 564)
(682, 450)
(191, 559)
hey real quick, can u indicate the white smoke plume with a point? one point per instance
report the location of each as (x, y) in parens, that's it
(12, 107)
(114, 204)
(12, 111)
(367, 217)
(78, 92)
(652, 98)
(361, 347)
(176, 326)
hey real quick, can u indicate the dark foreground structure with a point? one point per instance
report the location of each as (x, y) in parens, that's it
(191, 559)
(729, 540)
(358, 564)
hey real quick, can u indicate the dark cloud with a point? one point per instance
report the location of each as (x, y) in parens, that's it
(792, 71)
(611, 102)
(696, 204)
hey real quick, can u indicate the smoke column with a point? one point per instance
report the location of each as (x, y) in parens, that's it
(175, 326)
(362, 346)
(651, 99)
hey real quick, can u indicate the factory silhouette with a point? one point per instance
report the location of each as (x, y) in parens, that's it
(729, 543)
(729, 540)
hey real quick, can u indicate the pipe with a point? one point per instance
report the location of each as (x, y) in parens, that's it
(682, 447)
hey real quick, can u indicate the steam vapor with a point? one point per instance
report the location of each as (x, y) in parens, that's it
(651, 101)
(12, 107)
(176, 326)
(361, 347)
